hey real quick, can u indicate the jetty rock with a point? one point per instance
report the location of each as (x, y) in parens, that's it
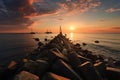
(60, 59)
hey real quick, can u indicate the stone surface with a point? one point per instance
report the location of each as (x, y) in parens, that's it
(101, 68)
(113, 73)
(38, 67)
(24, 75)
(52, 76)
(89, 72)
(63, 69)
(74, 60)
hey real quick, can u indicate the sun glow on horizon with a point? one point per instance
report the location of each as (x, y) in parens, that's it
(72, 28)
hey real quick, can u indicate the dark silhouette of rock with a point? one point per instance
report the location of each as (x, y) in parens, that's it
(113, 73)
(92, 57)
(117, 63)
(63, 69)
(83, 59)
(56, 52)
(38, 67)
(73, 58)
(36, 39)
(84, 44)
(97, 41)
(101, 68)
(89, 72)
(40, 44)
(46, 39)
(77, 45)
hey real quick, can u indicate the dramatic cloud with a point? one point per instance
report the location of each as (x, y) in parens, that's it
(112, 10)
(23, 7)
(19, 12)
(15, 10)
(65, 6)
(14, 14)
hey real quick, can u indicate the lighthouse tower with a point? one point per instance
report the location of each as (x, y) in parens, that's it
(60, 30)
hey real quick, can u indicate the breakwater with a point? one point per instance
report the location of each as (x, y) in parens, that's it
(60, 59)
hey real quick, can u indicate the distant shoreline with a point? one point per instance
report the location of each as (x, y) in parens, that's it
(56, 33)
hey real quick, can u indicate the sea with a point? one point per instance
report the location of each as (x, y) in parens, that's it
(15, 46)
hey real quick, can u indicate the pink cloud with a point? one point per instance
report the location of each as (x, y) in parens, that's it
(112, 10)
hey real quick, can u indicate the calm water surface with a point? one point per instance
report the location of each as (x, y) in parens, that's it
(15, 46)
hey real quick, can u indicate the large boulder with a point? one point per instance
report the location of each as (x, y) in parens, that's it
(24, 75)
(92, 57)
(113, 73)
(101, 68)
(73, 59)
(63, 69)
(60, 55)
(38, 67)
(83, 59)
(88, 71)
(117, 63)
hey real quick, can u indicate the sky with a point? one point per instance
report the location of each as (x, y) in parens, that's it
(80, 16)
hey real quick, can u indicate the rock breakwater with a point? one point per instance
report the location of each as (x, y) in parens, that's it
(60, 59)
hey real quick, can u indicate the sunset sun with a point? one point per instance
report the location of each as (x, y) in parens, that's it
(72, 28)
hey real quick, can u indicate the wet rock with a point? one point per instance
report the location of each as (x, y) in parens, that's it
(12, 64)
(84, 44)
(38, 67)
(40, 44)
(52, 76)
(64, 52)
(53, 55)
(101, 68)
(73, 59)
(33, 55)
(83, 59)
(88, 71)
(97, 41)
(60, 55)
(77, 45)
(92, 57)
(86, 52)
(54, 45)
(36, 39)
(117, 63)
(46, 39)
(24, 75)
(101, 58)
(113, 73)
(63, 69)
(25, 60)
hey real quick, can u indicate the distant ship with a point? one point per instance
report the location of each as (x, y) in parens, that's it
(48, 32)
(32, 32)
